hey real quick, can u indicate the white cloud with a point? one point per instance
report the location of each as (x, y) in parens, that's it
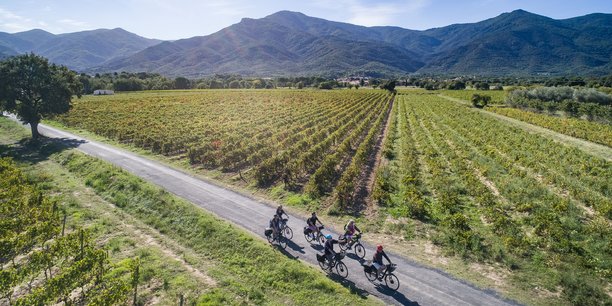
(74, 23)
(373, 13)
(14, 22)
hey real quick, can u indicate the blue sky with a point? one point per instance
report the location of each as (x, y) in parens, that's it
(175, 19)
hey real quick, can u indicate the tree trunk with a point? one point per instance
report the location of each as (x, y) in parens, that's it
(34, 128)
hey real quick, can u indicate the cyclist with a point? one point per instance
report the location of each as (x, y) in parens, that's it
(312, 224)
(330, 254)
(275, 225)
(350, 228)
(377, 261)
(280, 212)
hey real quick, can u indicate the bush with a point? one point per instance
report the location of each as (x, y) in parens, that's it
(480, 101)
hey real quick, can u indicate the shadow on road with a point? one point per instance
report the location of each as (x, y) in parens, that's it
(348, 284)
(396, 295)
(317, 247)
(355, 257)
(29, 151)
(295, 247)
(285, 252)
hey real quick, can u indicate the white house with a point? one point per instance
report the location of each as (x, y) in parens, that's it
(103, 92)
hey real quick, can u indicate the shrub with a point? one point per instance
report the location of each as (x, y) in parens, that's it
(480, 101)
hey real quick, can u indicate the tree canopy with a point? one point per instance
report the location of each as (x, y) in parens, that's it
(33, 89)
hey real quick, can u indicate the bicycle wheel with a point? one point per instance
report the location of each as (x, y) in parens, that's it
(360, 250)
(371, 275)
(288, 232)
(270, 238)
(323, 265)
(341, 269)
(282, 241)
(392, 282)
(308, 237)
(321, 239)
(343, 246)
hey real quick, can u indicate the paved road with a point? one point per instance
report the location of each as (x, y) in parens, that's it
(419, 285)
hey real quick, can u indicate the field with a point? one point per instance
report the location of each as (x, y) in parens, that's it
(476, 187)
(491, 192)
(580, 128)
(304, 140)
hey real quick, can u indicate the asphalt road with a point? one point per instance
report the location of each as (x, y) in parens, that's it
(418, 284)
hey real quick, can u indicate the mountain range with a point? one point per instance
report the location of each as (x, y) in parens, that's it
(291, 43)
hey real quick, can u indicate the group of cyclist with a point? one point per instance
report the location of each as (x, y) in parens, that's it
(350, 230)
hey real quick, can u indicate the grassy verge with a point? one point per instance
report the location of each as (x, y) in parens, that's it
(242, 269)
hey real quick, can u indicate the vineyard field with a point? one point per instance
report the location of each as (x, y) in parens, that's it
(301, 139)
(592, 131)
(493, 192)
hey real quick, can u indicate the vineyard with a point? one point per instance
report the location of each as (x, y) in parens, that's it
(41, 262)
(494, 192)
(315, 141)
(580, 128)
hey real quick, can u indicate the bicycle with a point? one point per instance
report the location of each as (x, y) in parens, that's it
(337, 263)
(286, 230)
(359, 248)
(280, 238)
(310, 236)
(391, 281)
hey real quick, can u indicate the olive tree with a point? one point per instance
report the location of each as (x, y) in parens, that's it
(33, 89)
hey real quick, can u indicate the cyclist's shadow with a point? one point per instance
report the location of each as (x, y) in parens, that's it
(317, 247)
(295, 247)
(396, 295)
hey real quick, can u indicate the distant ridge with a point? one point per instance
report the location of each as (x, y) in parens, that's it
(79, 50)
(291, 43)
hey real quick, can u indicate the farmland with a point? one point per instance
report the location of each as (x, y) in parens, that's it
(302, 139)
(496, 193)
(477, 188)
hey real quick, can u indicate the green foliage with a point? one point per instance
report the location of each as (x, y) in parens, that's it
(575, 102)
(35, 89)
(33, 243)
(480, 101)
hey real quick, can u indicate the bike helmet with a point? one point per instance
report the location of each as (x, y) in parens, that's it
(328, 236)
(379, 248)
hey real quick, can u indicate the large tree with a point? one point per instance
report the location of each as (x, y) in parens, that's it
(33, 89)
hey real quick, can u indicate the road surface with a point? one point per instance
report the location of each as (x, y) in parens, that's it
(418, 284)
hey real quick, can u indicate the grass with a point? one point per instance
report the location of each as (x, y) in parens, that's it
(125, 212)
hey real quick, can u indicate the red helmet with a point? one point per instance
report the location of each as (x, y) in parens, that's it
(379, 248)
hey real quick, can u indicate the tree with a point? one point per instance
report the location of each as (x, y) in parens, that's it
(182, 83)
(389, 85)
(35, 89)
(480, 101)
(234, 84)
(482, 86)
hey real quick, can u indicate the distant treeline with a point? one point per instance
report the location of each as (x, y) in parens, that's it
(125, 81)
(152, 81)
(493, 83)
(575, 102)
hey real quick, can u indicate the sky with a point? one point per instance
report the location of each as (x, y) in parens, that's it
(176, 19)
